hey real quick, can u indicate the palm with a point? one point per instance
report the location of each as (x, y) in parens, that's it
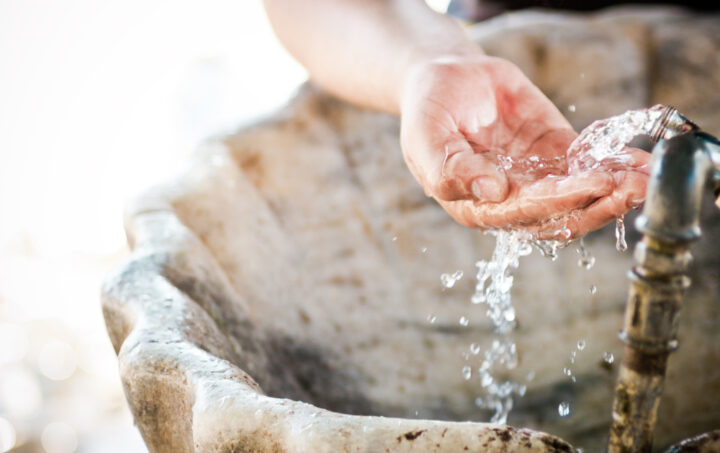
(491, 148)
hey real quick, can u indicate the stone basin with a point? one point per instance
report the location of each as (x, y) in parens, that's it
(278, 292)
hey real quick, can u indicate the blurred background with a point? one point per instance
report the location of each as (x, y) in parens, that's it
(98, 100)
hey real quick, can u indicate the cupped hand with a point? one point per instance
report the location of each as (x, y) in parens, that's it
(483, 141)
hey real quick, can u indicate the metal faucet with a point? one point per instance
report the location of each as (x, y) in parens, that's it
(683, 161)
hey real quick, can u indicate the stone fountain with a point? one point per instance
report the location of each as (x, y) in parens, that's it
(278, 292)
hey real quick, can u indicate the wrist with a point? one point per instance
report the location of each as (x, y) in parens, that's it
(431, 69)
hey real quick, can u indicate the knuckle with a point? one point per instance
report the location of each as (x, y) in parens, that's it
(446, 188)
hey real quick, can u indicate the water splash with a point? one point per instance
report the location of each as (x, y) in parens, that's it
(607, 139)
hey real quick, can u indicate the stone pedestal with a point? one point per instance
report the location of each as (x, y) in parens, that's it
(278, 294)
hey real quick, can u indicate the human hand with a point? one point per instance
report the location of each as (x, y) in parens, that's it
(492, 150)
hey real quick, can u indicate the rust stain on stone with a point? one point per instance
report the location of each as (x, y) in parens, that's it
(556, 445)
(411, 435)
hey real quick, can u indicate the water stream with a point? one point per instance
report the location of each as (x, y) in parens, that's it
(602, 140)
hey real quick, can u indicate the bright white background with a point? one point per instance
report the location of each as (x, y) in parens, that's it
(98, 100)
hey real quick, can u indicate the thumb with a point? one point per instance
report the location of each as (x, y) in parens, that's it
(460, 173)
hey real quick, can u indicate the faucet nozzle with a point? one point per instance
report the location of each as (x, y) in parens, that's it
(670, 124)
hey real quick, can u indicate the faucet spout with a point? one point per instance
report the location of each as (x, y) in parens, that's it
(670, 221)
(680, 169)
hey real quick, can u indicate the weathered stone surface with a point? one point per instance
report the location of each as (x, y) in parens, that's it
(281, 282)
(704, 443)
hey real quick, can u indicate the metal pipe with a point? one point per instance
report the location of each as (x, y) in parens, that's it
(681, 166)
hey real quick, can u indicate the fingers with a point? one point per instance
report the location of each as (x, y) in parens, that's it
(457, 172)
(629, 193)
(549, 198)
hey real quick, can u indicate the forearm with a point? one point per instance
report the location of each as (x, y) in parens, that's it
(362, 50)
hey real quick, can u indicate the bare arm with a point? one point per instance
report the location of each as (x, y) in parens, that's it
(470, 123)
(362, 50)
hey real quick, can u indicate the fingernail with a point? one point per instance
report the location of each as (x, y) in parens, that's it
(636, 202)
(485, 189)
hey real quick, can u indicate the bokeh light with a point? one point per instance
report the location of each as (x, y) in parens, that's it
(59, 437)
(14, 341)
(101, 100)
(7, 435)
(57, 360)
(20, 392)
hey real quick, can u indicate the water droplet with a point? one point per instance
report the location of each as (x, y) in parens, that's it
(587, 263)
(530, 376)
(486, 380)
(567, 371)
(394, 238)
(475, 349)
(586, 260)
(564, 409)
(423, 250)
(510, 314)
(431, 319)
(463, 321)
(571, 107)
(525, 249)
(449, 280)
(581, 345)
(467, 372)
(620, 243)
(593, 289)
(608, 357)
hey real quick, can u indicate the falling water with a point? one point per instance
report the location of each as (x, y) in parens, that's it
(494, 281)
(620, 242)
(604, 140)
